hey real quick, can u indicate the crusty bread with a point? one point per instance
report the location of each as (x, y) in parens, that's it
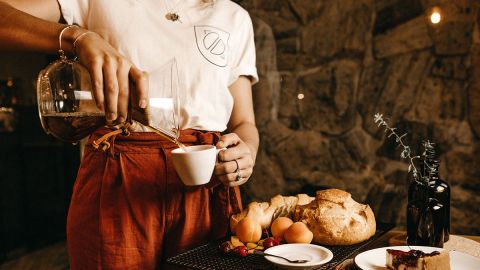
(264, 213)
(336, 219)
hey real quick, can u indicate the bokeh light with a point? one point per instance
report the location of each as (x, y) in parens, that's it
(435, 17)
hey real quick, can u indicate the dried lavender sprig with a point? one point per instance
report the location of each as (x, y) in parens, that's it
(406, 152)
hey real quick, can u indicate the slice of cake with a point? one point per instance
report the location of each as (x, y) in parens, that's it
(417, 260)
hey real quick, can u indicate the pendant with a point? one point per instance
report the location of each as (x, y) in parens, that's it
(172, 16)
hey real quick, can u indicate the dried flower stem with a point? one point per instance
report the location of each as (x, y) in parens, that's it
(406, 152)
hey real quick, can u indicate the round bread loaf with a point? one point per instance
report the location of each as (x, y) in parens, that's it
(264, 213)
(336, 219)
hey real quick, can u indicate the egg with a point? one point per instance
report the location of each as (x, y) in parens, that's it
(280, 225)
(298, 232)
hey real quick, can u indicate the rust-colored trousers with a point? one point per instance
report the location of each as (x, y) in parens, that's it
(129, 209)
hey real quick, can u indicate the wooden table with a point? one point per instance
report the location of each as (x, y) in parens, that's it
(384, 240)
(55, 256)
(473, 237)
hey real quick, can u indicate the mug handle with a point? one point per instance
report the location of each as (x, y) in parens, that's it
(218, 151)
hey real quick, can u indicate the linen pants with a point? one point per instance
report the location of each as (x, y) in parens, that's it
(130, 210)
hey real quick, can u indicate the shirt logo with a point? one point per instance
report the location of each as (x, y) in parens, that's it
(212, 43)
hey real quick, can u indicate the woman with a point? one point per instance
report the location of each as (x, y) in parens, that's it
(129, 210)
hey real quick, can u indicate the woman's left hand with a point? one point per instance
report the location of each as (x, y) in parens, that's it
(235, 163)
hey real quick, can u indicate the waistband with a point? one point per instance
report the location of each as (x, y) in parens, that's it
(152, 139)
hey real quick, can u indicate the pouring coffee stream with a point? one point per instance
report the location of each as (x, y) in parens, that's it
(175, 141)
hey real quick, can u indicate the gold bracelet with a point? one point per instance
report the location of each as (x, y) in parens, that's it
(78, 38)
(60, 50)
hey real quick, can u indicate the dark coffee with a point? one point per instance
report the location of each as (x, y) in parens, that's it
(72, 127)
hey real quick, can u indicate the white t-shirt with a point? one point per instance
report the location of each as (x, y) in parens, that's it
(212, 44)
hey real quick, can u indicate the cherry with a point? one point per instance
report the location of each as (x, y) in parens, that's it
(225, 247)
(241, 251)
(268, 242)
(272, 241)
(277, 240)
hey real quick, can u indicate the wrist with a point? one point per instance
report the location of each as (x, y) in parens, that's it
(69, 37)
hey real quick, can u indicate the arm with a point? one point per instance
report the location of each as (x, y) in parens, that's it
(44, 9)
(243, 139)
(21, 30)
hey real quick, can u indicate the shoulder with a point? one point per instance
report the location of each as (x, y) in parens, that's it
(231, 9)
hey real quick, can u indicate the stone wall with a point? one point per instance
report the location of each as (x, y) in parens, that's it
(327, 67)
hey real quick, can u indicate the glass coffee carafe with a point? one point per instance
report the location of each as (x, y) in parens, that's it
(68, 111)
(66, 106)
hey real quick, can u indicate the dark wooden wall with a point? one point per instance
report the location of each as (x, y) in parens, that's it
(36, 171)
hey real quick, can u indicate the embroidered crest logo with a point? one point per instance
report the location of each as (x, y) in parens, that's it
(212, 43)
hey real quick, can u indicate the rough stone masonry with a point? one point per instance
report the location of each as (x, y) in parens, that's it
(351, 59)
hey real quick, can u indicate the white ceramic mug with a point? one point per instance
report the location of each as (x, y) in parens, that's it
(195, 166)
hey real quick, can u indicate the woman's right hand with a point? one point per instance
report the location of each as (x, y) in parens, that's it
(111, 73)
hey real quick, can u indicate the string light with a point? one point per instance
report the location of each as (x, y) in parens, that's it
(9, 82)
(300, 96)
(435, 16)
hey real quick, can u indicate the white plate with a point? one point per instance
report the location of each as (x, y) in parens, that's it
(375, 259)
(317, 255)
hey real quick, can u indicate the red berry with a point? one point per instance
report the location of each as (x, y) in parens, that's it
(277, 240)
(268, 243)
(241, 251)
(225, 247)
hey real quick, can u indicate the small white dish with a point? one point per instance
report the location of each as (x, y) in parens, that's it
(375, 259)
(317, 255)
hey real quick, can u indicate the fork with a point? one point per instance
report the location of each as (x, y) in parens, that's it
(288, 260)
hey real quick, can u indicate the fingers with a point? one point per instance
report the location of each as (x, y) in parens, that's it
(231, 174)
(123, 92)
(235, 162)
(111, 91)
(97, 84)
(231, 166)
(227, 180)
(117, 96)
(233, 153)
(228, 140)
(140, 79)
(110, 73)
(236, 178)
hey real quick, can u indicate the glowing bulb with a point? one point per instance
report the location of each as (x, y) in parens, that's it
(435, 17)
(300, 96)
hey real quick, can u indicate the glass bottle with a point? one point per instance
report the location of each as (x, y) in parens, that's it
(425, 216)
(440, 190)
(417, 200)
(428, 209)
